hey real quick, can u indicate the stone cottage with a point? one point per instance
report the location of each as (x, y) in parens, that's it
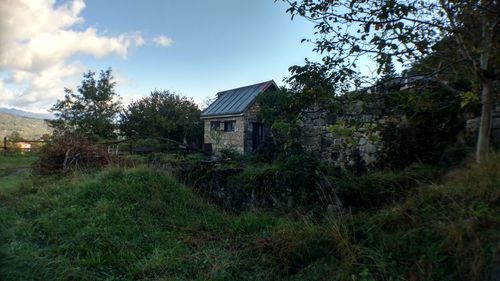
(231, 120)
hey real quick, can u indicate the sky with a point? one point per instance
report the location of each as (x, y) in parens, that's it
(193, 48)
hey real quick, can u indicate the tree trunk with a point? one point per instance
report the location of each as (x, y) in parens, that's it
(483, 138)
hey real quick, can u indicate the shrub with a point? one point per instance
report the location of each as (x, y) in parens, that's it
(69, 152)
(377, 189)
(433, 121)
(289, 177)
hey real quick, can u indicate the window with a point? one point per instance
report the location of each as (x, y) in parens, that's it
(226, 126)
(229, 126)
(215, 125)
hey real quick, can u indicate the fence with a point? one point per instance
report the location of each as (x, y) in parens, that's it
(119, 147)
(21, 146)
(132, 146)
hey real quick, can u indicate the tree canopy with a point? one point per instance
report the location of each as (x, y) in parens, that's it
(348, 30)
(162, 114)
(92, 110)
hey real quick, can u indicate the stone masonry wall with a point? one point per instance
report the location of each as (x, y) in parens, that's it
(250, 117)
(239, 140)
(472, 126)
(348, 136)
(219, 139)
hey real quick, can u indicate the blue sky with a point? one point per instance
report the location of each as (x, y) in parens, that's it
(208, 46)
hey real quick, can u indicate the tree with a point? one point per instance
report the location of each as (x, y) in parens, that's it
(407, 30)
(162, 114)
(92, 111)
(388, 72)
(15, 137)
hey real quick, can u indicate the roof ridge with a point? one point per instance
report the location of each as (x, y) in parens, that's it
(230, 90)
(236, 100)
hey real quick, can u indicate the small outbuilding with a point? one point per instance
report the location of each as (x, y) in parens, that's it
(231, 121)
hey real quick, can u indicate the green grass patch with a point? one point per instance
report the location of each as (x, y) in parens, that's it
(16, 161)
(13, 181)
(14, 171)
(140, 224)
(119, 225)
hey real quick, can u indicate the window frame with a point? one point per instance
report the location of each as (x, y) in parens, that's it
(215, 125)
(229, 126)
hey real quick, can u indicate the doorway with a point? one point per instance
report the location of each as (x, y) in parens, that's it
(257, 135)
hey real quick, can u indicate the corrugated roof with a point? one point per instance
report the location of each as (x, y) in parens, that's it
(236, 101)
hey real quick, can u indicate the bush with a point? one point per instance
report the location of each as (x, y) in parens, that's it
(374, 190)
(433, 121)
(273, 185)
(70, 152)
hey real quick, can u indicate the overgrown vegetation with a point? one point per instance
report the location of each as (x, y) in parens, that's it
(163, 114)
(71, 151)
(139, 224)
(281, 214)
(412, 32)
(433, 120)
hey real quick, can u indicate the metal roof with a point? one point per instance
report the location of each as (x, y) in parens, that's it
(236, 101)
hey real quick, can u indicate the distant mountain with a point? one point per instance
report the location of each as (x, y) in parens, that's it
(29, 128)
(22, 113)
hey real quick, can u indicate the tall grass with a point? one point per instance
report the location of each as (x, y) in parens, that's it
(140, 224)
(119, 225)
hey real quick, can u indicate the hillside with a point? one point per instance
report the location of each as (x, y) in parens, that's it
(29, 128)
(140, 224)
(22, 113)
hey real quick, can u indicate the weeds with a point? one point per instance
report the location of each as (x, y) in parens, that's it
(140, 224)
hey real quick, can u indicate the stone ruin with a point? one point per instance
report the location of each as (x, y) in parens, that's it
(348, 134)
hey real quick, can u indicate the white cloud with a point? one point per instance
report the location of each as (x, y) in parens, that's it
(163, 41)
(130, 97)
(5, 93)
(37, 37)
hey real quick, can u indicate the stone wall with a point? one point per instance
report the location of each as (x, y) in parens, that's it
(472, 126)
(239, 140)
(220, 139)
(250, 117)
(347, 132)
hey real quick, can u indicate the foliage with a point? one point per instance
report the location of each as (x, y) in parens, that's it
(433, 119)
(70, 152)
(92, 111)
(379, 189)
(388, 72)
(292, 176)
(348, 31)
(163, 114)
(279, 116)
(15, 137)
(406, 31)
(139, 224)
(281, 110)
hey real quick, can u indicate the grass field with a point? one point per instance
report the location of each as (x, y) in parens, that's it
(16, 161)
(14, 170)
(140, 224)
